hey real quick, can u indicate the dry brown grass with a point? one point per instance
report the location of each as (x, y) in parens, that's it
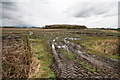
(16, 58)
(34, 67)
(0, 59)
(107, 47)
(114, 31)
(34, 29)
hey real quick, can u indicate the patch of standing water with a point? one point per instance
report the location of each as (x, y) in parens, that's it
(53, 49)
(74, 38)
(30, 32)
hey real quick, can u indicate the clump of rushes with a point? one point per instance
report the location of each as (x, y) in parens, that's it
(26, 41)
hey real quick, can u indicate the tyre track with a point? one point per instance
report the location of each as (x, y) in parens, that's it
(65, 68)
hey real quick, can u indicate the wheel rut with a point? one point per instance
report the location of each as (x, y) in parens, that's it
(65, 68)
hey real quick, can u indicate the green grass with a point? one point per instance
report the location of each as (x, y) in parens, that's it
(69, 55)
(82, 63)
(87, 67)
(39, 43)
(51, 74)
(35, 40)
(45, 69)
(44, 57)
(41, 57)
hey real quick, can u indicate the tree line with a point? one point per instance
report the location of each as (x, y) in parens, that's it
(65, 27)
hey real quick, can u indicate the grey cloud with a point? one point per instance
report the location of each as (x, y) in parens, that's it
(119, 14)
(12, 22)
(9, 6)
(0, 10)
(9, 0)
(88, 9)
(10, 14)
(43, 12)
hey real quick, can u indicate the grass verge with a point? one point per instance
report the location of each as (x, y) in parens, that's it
(44, 57)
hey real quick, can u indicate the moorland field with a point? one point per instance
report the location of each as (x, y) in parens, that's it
(60, 53)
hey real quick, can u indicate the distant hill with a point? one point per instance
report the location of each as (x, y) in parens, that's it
(65, 27)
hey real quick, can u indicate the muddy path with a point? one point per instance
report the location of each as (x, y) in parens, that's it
(67, 68)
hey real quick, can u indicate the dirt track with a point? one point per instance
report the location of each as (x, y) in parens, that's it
(65, 68)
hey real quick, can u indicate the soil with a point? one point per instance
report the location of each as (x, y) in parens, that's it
(66, 68)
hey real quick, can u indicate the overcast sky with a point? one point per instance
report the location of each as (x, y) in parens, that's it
(92, 13)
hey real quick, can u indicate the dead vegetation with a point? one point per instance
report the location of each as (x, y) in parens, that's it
(16, 58)
(20, 62)
(108, 47)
